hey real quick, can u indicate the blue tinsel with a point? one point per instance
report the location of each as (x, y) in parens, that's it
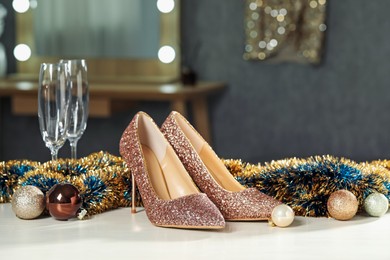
(306, 184)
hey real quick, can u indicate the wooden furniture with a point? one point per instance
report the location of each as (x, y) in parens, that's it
(108, 97)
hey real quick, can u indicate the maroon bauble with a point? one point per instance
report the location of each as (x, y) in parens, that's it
(63, 201)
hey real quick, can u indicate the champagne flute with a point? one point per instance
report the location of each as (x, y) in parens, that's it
(53, 105)
(79, 100)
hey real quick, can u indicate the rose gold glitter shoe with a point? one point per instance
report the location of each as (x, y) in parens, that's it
(170, 197)
(211, 176)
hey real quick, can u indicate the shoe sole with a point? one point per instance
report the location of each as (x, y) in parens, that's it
(247, 219)
(190, 227)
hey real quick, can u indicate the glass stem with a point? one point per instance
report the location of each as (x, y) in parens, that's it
(54, 154)
(73, 149)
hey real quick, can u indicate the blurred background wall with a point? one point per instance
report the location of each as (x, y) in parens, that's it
(269, 111)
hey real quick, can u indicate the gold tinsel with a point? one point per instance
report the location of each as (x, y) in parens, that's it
(99, 177)
(306, 183)
(10, 172)
(104, 180)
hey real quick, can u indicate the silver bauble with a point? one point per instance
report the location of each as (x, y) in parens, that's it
(28, 202)
(376, 204)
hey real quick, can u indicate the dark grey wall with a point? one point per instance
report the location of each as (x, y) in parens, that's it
(269, 111)
(274, 111)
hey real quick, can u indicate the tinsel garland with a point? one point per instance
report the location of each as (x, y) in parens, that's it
(10, 172)
(104, 182)
(306, 184)
(101, 178)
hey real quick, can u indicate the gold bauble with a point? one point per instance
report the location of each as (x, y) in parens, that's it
(28, 202)
(342, 205)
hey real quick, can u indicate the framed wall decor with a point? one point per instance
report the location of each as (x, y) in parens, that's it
(285, 30)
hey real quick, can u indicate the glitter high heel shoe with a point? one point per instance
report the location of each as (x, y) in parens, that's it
(211, 176)
(170, 197)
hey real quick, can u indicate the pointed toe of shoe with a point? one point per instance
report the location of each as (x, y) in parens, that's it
(234, 201)
(195, 211)
(248, 205)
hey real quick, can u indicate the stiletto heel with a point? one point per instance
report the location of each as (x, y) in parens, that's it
(133, 187)
(169, 196)
(211, 176)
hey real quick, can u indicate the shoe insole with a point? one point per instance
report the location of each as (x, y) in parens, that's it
(218, 170)
(169, 178)
(215, 166)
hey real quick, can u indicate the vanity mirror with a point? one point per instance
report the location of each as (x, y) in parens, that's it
(122, 40)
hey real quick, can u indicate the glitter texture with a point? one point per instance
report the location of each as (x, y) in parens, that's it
(100, 178)
(305, 184)
(192, 211)
(28, 202)
(376, 204)
(342, 205)
(249, 204)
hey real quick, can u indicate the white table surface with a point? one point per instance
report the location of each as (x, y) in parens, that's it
(118, 234)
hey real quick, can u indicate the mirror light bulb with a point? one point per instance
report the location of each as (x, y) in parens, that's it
(166, 54)
(21, 6)
(33, 4)
(22, 52)
(165, 6)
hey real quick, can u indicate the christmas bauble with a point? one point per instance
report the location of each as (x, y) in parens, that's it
(376, 204)
(342, 205)
(63, 201)
(28, 202)
(282, 215)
